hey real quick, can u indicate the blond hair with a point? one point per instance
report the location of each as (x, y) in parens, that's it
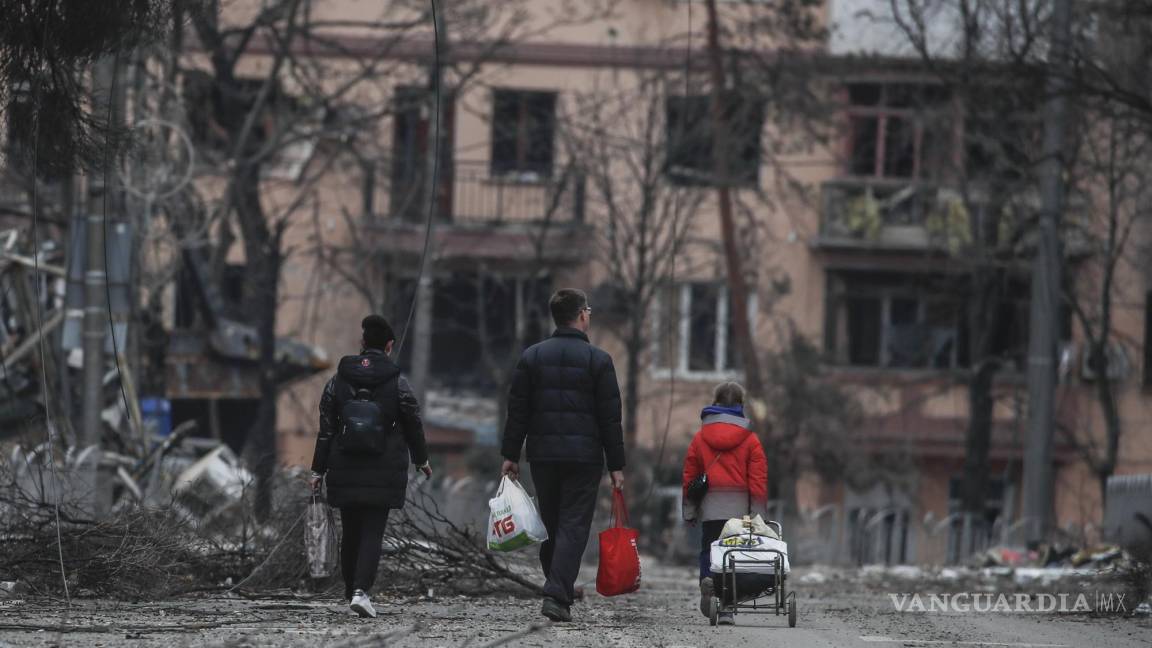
(728, 394)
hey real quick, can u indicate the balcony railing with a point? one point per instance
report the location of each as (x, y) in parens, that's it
(892, 215)
(471, 194)
(904, 216)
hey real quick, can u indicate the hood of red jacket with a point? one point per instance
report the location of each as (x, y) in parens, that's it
(724, 433)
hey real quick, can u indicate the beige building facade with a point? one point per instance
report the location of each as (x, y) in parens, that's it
(520, 213)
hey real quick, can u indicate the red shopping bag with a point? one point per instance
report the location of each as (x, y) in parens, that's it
(619, 571)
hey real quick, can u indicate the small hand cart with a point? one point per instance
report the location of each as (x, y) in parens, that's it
(747, 584)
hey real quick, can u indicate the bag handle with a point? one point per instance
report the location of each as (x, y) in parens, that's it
(619, 509)
(713, 462)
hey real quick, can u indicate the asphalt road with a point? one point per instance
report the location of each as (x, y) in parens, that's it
(663, 614)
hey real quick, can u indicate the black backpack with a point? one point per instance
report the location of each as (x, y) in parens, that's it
(365, 427)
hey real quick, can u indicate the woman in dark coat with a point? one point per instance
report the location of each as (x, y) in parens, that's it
(366, 485)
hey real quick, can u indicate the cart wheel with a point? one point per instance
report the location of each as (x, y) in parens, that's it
(792, 610)
(714, 611)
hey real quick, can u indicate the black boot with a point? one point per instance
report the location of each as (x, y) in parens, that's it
(556, 610)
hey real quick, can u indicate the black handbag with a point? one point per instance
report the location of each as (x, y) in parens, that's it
(698, 487)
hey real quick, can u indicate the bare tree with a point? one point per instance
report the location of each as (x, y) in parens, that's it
(984, 56)
(313, 88)
(620, 137)
(1112, 173)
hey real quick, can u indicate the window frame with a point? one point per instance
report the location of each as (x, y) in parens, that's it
(678, 141)
(883, 112)
(683, 310)
(521, 136)
(838, 349)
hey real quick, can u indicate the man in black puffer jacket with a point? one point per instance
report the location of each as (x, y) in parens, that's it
(364, 485)
(565, 401)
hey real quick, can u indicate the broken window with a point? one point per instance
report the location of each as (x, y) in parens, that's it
(480, 324)
(218, 110)
(894, 326)
(523, 125)
(700, 336)
(883, 319)
(689, 136)
(231, 293)
(898, 130)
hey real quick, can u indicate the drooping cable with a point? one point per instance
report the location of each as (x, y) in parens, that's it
(104, 236)
(51, 427)
(435, 183)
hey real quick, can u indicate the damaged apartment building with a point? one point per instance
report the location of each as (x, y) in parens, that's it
(872, 265)
(858, 234)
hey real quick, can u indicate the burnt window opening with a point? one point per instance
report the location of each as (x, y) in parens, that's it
(523, 133)
(217, 111)
(693, 331)
(689, 136)
(917, 322)
(475, 321)
(188, 311)
(898, 131)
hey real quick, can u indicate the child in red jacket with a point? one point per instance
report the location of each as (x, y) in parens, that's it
(730, 454)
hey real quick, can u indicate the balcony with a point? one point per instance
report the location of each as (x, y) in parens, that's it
(513, 217)
(868, 215)
(891, 216)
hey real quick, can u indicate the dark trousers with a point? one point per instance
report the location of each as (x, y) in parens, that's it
(710, 531)
(566, 493)
(360, 546)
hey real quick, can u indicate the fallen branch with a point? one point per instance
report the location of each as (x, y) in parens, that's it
(140, 629)
(530, 630)
(377, 639)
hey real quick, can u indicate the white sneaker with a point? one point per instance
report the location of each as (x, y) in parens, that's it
(362, 605)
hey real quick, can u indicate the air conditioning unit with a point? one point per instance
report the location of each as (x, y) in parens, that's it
(1117, 364)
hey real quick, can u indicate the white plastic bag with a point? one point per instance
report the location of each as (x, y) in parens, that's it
(320, 539)
(514, 522)
(755, 525)
(756, 561)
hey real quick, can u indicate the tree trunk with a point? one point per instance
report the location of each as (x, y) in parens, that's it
(262, 249)
(1112, 426)
(737, 286)
(977, 443)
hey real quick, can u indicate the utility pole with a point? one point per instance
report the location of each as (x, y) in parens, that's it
(425, 293)
(1046, 288)
(96, 283)
(737, 286)
(95, 328)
